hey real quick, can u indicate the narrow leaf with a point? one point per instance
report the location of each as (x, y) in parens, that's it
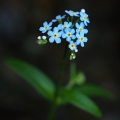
(81, 101)
(34, 76)
(94, 91)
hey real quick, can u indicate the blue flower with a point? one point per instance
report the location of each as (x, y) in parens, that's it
(72, 13)
(84, 17)
(72, 46)
(81, 39)
(65, 25)
(58, 18)
(80, 28)
(45, 27)
(54, 35)
(68, 34)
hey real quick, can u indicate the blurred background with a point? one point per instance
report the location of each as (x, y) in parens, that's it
(99, 59)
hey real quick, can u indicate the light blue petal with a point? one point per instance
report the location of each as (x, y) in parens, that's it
(63, 16)
(85, 39)
(54, 20)
(45, 23)
(82, 25)
(66, 11)
(65, 23)
(77, 25)
(70, 23)
(73, 36)
(77, 30)
(50, 24)
(81, 13)
(82, 44)
(78, 35)
(63, 35)
(82, 34)
(41, 28)
(51, 39)
(43, 31)
(49, 28)
(85, 31)
(67, 30)
(60, 26)
(58, 40)
(72, 31)
(87, 21)
(81, 18)
(58, 17)
(71, 42)
(50, 33)
(78, 42)
(68, 39)
(60, 33)
(55, 29)
(86, 15)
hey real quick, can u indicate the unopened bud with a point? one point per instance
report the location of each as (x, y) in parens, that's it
(83, 10)
(39, 37)
(44, 37)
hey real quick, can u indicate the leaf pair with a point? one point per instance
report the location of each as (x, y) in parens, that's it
(77, 96)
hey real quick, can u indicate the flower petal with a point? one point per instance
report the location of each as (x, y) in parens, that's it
(58, 40)
(51, 39)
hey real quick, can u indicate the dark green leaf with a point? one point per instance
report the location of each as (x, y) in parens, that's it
(94, 91)
(34, 76)
(81, 101)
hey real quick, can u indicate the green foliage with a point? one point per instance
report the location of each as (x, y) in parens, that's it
(34, 76)
(94, 91)
(81, 101)
(76, 78)
(76, 92)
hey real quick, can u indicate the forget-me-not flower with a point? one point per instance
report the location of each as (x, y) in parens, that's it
(55, 35)
(81, 39)
(45, 27)
(59, 17)
(68, 34)
(72, 45)
(80, 28)
(72, 13)
(84, 17)
(65, 25)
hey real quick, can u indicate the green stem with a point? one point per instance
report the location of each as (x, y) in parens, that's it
(59, 82)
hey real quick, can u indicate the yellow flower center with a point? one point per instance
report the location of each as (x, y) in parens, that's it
(81, 38)
(65, 27)
(69, 34)
(72, 45)
(72, 12)
(85, 18)
(55, 35)
(46, 27)
(80, 29)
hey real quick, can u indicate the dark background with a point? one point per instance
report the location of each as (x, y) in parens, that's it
(99, 59)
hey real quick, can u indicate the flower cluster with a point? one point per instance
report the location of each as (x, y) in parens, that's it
(72, 30)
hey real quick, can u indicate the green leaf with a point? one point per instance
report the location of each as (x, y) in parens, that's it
(81, 101)
(94, 91)
(34, 76)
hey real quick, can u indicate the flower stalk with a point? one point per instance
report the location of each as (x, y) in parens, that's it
(59, 82)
